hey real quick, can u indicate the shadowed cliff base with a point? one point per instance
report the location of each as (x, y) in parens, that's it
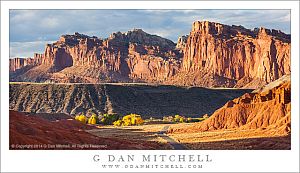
(146, 100)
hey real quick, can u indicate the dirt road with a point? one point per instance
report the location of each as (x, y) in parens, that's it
(176, 145)
(151, 133)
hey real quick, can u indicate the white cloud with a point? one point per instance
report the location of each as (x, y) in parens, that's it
(273, 19)
(26, 49)
(50, 22)
(151, 11)
(23, 15)
(158, 31)
(165, 32)
(33, 25)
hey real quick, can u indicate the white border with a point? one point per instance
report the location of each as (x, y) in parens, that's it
(81, 161)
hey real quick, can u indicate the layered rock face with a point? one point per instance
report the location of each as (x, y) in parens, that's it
(268, 109)
(134, 55)
(18, 63)
(82, 50)
(181, 42)
(151, 64)
(234, 55)
(212, 55)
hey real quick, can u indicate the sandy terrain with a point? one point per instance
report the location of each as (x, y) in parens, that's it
(233, 140)
(216, 140)
(32, 132)
(139, 133)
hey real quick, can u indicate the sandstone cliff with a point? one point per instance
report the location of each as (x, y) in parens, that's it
(18, 63)
(222, 55)
(212, 55)
(181, 42)
(130, 56)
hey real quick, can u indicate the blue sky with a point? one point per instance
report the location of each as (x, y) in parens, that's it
(30, 30)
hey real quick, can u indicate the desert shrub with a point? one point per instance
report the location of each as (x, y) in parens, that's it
(93, 119)
(177, 118)
(193, 120)
(180, 119)
(109, 118)
(168, 118)
(82, 118)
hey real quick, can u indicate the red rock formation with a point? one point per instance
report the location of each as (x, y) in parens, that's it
(149, 64)
(235, 53)
(38, 58)
(267, 110)
(181, 42)
(212, 55)
(134, 55)
(18, 63)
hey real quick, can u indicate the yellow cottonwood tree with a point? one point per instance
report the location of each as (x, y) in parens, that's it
(93, 119)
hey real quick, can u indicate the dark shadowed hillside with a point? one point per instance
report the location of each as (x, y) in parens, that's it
(146, 100)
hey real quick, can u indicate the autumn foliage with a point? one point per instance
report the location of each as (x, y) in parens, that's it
(129, 120)
(93, 119)
(82, 118)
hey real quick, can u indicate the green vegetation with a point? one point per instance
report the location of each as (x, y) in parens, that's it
(180, 119)
(109, 119)
(176, 119)
(183, 119)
